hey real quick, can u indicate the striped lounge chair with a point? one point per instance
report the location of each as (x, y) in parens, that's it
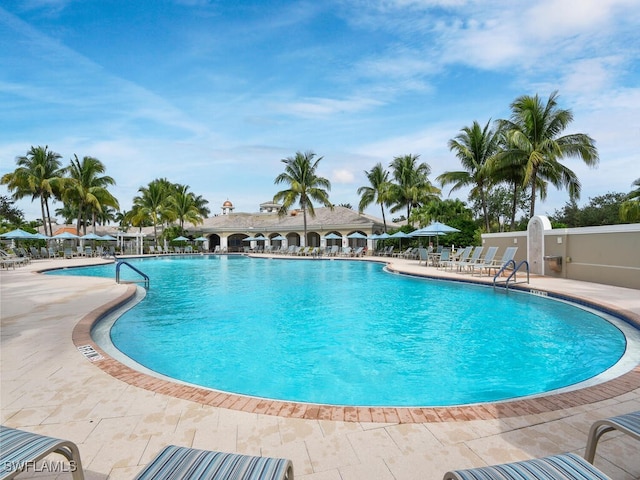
(628, 423)
(21, 451)
(181, 463)
(557, 467)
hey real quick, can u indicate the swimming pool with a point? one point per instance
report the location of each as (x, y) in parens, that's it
(347, 333)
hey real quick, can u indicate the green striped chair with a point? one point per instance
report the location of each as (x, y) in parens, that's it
(174, 463)
(20, 451)
(628, 423)
(558, 467)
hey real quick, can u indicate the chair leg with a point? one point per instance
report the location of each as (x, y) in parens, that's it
(595, 432)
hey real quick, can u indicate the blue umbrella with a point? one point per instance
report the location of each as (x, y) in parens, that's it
(434, 229)
(91, 236)
(107, 237)
(400, 235)
(66, 236)
(332, 236)
(17, 234)
(356, 235)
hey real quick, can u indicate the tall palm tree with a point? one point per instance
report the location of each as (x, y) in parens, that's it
(379, 190)
(534, 142)
(474, 147)
(304, 186)
(151, 206)
(412, 187)
(37, 176)
(86, 189)
(185, 206)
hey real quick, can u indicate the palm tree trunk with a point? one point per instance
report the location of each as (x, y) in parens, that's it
(532, 208)
(485, 212)
(44, 218)
(384, 221)
(514, 204)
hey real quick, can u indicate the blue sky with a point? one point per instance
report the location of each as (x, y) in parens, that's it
(213, 94)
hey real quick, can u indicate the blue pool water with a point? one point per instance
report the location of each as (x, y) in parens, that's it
(348, 333)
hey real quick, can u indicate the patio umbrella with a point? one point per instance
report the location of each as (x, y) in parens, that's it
(180, 239)
(65, 236)
(279, 237)
(18, 233)
(356, 235)
(400, 235)
(433, 230)
(107, 237)
(332, 236)
(91, 236)
(201, 239)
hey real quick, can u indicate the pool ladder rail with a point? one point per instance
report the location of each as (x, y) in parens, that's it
(517, 267)
(145, 277)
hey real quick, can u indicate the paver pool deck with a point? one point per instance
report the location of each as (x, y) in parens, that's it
(120, 418)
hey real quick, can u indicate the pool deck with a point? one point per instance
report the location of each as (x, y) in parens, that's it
(120, 418)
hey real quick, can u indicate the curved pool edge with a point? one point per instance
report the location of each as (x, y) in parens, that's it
(544, 403)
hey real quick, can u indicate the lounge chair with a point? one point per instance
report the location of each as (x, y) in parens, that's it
(181, 463)
(44, 253)
(357, 252)
(628, 424)
(474, 258)
(443, 260)
(11, 259)
(21, 450)
(508, 255)
(486, 262)
(461, 257)
(562, 467)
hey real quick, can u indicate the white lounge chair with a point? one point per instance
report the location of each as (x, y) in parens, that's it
(486, 262)
(508, 255)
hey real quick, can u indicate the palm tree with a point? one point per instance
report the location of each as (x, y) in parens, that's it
(379, 190)
(87, 190)
(304, 186)
(534, 143)
(630, 208)
(412, 187)
(474, 147)
(151, 206)
(37, 175)
(185, 206)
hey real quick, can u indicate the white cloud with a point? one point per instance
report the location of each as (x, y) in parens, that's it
(342, 176)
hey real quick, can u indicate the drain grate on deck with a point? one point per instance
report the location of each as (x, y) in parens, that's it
(90, 353)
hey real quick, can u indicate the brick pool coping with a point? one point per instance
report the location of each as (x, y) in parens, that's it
(625, 383)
